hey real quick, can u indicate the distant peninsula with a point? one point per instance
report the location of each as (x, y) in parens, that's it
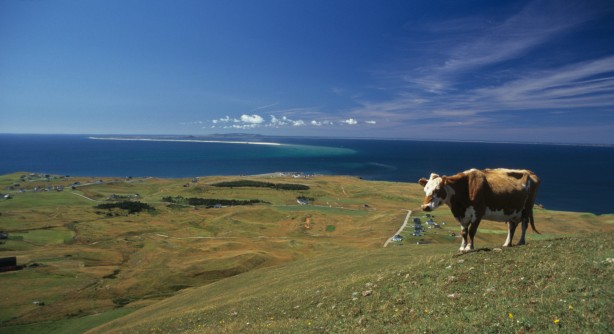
(218, 139)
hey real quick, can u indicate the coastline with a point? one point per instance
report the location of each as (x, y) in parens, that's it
(394, 161)
(188, 141)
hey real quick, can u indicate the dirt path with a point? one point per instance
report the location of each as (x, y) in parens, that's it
(400, 229)
(91, 199)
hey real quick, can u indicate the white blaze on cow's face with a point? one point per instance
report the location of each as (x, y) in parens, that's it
(435, 194)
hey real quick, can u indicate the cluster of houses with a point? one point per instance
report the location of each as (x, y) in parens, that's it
(40, 177)
(17, 187)
(419, 228)
(430, 223)
(33, 177)
(294, 175)
(194, 180)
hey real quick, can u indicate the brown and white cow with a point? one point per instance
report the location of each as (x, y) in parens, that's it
(505, 195)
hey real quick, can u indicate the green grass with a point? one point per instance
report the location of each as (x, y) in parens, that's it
(45, 237)
(559, 285)
(323, 209)
(253, 263)
(42, 200)
(73, 325)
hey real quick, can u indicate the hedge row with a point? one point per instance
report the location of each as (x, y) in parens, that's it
(259, 184)
(130, 206)
(209, 202)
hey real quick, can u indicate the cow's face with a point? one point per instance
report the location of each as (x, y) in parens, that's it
(435, 192)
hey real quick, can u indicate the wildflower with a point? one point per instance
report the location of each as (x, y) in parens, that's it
(570, 307)
(510, 315)
(557, 321)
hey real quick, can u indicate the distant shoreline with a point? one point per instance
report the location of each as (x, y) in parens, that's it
(189, 141)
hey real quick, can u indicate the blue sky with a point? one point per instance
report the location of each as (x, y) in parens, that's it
(466, 70)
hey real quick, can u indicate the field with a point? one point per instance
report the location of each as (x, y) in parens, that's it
(284, 267)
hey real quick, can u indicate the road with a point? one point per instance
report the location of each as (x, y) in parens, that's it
(400, 229)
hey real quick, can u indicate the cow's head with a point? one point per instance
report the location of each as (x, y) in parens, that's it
(435, 192)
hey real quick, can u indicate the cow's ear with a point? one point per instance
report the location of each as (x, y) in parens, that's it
(423, 182)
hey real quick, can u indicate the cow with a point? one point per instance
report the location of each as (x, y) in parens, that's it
(505, 195)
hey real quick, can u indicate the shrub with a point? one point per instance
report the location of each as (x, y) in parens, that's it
(209, 202)
(259, 184)
(130, 206)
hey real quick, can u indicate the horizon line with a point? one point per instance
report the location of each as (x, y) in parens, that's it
(118, 136)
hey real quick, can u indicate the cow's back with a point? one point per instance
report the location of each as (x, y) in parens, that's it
(507, 193)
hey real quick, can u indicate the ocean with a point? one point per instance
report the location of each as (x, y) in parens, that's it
(574, 178)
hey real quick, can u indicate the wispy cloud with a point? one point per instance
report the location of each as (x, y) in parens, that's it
(585, 84)
(470, 71)
(266, 106)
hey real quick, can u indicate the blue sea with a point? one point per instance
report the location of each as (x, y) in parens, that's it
(574, 178)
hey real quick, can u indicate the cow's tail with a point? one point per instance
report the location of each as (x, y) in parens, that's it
(532, 221)
(533, 193)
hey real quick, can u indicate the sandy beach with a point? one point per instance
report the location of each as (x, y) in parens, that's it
(188, 141)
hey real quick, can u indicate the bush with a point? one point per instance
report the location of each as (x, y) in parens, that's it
(259, 184)
(130, 206)
(209, 202)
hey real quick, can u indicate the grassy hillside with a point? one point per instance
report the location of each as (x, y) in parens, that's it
(555, 285)
(85, 263)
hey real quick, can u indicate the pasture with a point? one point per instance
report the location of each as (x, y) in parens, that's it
(275, 255)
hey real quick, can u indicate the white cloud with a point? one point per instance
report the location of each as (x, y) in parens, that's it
(226, 119)
(252, 119)
(350, 121)
(316, 123)
(298, 123)
(371, 122)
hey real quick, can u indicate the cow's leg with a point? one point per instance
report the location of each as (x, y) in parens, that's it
(524, 226)
(464, 241)
(511, 228)
(473, 228)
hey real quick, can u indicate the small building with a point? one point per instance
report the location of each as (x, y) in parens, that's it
(302, 200)
(9, 264)
(397, 238)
